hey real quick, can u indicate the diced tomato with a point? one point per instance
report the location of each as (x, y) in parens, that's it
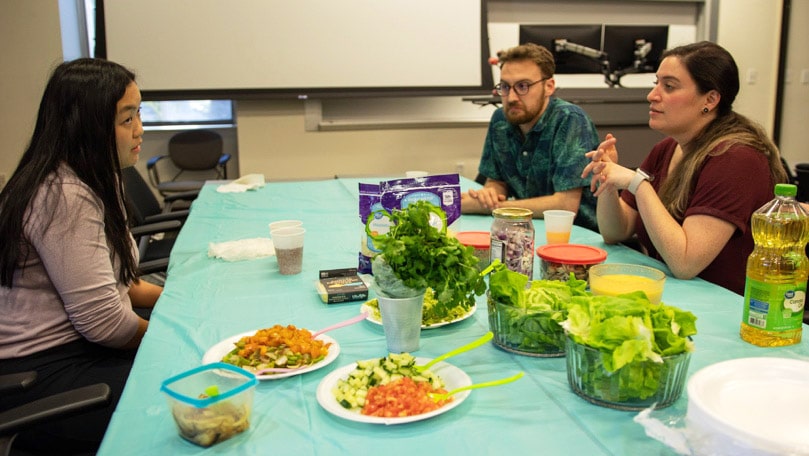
(403, 397)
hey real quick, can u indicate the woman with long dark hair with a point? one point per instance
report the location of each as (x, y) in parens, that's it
(68, 263)
(691, 201)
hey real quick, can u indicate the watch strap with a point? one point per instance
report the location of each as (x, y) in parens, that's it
(639, 177)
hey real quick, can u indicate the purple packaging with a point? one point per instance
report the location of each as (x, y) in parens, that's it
(442, 190)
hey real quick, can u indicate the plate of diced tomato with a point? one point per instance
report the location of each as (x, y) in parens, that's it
(399, 398)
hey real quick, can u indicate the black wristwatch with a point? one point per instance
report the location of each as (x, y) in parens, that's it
(640, 176)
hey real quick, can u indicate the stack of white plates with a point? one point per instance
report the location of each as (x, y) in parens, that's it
(750, 406)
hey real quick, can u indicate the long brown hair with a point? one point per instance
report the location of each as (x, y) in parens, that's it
(713, 68)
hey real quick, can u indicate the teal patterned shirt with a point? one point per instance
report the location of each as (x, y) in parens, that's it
(549, 159)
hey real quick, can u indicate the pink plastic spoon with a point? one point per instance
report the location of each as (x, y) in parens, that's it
(350, 321)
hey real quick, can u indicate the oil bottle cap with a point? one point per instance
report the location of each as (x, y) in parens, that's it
(786, 190)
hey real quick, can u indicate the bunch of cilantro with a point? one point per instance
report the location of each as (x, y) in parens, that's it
(414, 255)
(530, 315)
(633, 337)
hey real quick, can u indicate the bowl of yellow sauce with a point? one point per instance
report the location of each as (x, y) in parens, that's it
(613, 279)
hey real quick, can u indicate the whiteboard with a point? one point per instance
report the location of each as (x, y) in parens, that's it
(295, 45)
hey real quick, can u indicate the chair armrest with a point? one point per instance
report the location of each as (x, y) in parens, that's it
(54, 406)
(179, 216)
(154, 228)
(152, 266)
(182, 196)
(152, 161)
(12, 383)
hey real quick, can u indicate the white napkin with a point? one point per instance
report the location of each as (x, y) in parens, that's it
(243, 249)
(242, 184)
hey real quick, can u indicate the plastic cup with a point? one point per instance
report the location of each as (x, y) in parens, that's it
(401, 320)
(288, 244)
(558, 224)
(284, 224)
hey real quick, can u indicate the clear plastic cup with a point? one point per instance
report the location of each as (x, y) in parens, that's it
(288, 243)
(558, 224)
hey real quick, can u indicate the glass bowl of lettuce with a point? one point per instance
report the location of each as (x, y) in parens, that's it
(626, 353)
(525, 316)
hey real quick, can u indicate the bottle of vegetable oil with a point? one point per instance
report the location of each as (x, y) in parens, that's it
(777, 270)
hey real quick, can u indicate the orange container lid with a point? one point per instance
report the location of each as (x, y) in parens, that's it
(476, 239)
(571, 254)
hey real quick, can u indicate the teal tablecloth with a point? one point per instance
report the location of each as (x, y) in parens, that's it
(206, 300)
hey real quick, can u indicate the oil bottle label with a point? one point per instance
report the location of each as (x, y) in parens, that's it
(773, 307)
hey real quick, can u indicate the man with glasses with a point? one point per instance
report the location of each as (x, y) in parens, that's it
(535, 146)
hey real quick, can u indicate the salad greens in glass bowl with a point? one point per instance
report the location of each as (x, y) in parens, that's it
(627, 353)
(525, 316)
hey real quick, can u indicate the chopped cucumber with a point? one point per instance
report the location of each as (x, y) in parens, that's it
(351, 392)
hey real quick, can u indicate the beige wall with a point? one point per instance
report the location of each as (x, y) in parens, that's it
(30, 46)
(272, 141)
(750, 31)
(796, 89)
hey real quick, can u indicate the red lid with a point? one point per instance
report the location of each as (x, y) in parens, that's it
(571, 254)
(476, 239)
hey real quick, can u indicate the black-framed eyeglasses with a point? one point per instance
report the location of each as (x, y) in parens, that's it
(521, 87)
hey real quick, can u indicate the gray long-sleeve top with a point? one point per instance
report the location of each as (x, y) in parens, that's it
(67, 287)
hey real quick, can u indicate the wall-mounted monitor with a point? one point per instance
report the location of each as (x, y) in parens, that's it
(620, 46)
(566, 62)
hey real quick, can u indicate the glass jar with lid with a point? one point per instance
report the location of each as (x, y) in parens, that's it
(512, 239)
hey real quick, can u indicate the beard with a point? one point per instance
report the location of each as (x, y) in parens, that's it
(521, 115)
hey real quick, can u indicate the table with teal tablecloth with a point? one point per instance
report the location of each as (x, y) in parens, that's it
(207, 300)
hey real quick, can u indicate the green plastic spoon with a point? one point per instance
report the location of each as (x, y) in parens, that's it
(486, 337)
(443, 396)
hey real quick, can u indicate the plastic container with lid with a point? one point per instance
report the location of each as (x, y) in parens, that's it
(480, 241)
(211, 403)
(557, 261)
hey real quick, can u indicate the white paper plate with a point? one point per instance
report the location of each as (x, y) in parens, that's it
(452, 376)
(224, 347)
(374, 319)
(751, 404)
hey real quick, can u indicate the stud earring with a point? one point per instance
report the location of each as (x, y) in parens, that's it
(705, 110)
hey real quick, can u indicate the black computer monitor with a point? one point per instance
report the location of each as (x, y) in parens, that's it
(566, 62)
(619, 44)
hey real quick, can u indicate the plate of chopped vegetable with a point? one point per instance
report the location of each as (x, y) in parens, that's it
(278, 346)
(390, 390)
(432, 316)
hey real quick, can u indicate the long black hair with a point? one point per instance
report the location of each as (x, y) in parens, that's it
(75, 126)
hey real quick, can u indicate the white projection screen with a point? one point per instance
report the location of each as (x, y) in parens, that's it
(299, 48)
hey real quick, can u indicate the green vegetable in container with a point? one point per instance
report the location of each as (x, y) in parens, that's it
(414, 255)
(531, 314)
(633, 336)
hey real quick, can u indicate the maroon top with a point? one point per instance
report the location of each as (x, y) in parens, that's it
(731, 186)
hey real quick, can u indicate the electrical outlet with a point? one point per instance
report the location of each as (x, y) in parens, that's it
(804, 76)
(459, 168)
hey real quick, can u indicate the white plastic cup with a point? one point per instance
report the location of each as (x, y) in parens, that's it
(288, 243)
(284, 224)
(401, 320)
(558, 224)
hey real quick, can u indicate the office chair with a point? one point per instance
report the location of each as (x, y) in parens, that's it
(148, 219)
(36, 412)
(193, 150)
